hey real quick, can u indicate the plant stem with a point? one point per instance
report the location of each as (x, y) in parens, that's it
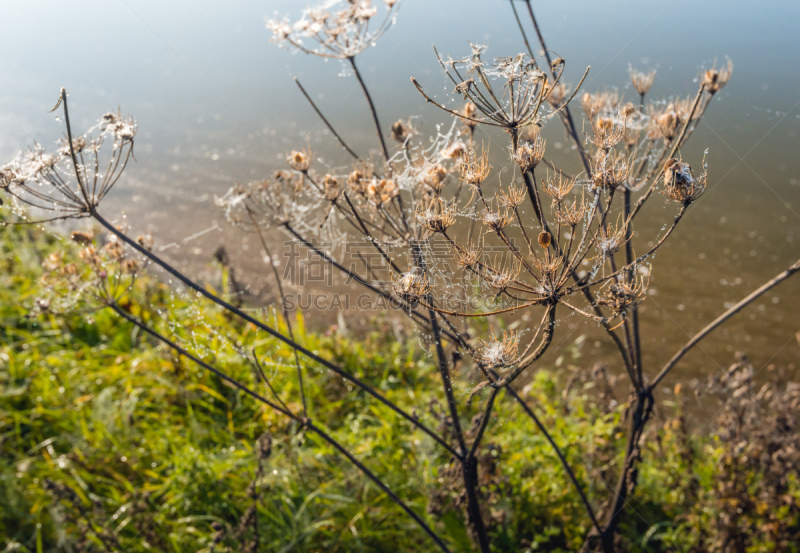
(754, 295)
(284, 308)
(372, 109)
(325, 120)
(272, 332)
(306, 423)
(469, 466)
(569, 123)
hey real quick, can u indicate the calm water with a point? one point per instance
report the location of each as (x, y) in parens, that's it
(216, 105)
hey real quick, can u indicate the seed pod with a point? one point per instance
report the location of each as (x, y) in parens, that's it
(544, 239)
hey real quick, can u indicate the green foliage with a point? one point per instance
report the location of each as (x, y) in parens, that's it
(109, 441)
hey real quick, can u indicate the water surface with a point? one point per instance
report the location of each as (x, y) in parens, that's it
(216, 105)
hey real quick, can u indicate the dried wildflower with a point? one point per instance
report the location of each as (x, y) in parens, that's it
(611, 172)
(569, 215)
(436, 216)
(89, 255)
(470, 111)
(434, 177)
(145, 241)
(357, 181)
(599, 103)
(558, 188)
(620, 296)
(53, 261)
(606, 132)
(71, 182)
(513, 103)
(331, 188)
(115, 249)
(81, 237)
(669, 122)
(642, 81)
(627, 110)
(411, 287)
(548, 265)
(456, 150)
(529, 155)
(496, 220)
(401, 131)
(503, 278)
(341, 33)
(129, 266)
(680, 184)
(610, 240)
(501, 352)
(270, 202)
(469, 256)
(715, 79)
(299, 160)
(511, 198)
(473, 170)
(381, 191)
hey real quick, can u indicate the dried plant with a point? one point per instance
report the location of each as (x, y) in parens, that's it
(540, 262)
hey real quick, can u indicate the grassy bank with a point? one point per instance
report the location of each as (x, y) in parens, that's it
(111, 442)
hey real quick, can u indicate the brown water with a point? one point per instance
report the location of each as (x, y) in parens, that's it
(216, 105)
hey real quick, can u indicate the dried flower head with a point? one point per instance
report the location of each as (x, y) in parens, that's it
(457, 150)
(609, 239)
(331, 188)
(642, 81)
(474, 170)
(468, 256)
(83, 238)
(358, 179)
(115, 249)
(606, 131)
(680, 184)
(715, 79)
(558, 187)
(338, 29)
(619, 296)
(72, 181)
(411, 287)
(600, 103)
(570, 215)
(507, 93)
(502, 352)
(529, 155)
(381, 191)
(497, 220)
(470, 111)
(266, 202)
(669, 122)
(401, 131)
(145, 241)
(436, 216)
(299, 160)
(434, 177)
(512, 197)
(501, 279)
(611, 172)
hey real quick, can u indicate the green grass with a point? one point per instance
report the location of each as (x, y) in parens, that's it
(107, 437)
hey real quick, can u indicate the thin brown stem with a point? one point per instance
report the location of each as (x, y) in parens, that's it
(710, 327)
(372, 109)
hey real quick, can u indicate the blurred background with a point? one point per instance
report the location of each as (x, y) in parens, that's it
(216, 104)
